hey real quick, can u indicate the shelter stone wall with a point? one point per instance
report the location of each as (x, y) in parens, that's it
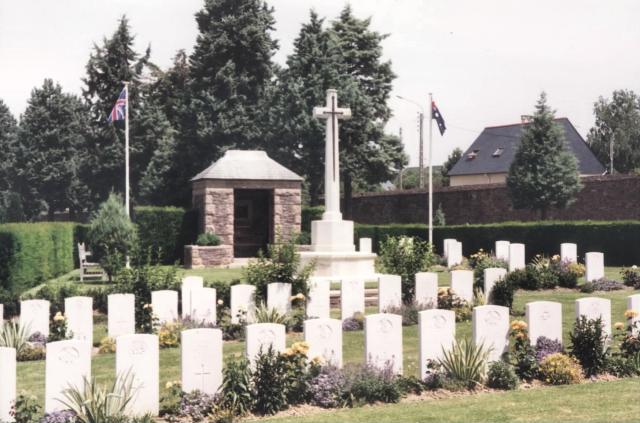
(287, 212)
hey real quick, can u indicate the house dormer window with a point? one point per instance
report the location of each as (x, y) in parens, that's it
(473, 155)
(498, 152)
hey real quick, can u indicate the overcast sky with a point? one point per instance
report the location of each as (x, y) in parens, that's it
(485, 61)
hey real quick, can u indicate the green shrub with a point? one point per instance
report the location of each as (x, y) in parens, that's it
(10, 302)
(522, 353)
(406, 256)
(235, 392)
(631, 276)
(13, 335)
(481, 261)
(269, 383)
(208, 240)
(112, 235)
(165, 231)
(31, 253)
(560, 369)
(617, 238)
(280, 264)
(27, 409)
(502, 293)
(502, 376)
(465, 363)
(588, 345)
(366, 384)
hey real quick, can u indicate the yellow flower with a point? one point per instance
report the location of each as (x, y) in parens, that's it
(300, 296)
(300, 347)
(169, 385)
(619, 325)
(147, 306)
(220, 302)
(518, 325)
(630, 314)
(288, 352)
(318, 360)
(58, 317)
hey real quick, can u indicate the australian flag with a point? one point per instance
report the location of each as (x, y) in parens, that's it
(435, 114)
(119, 110)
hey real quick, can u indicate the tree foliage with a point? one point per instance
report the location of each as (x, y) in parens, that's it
(8, 146)
(51, 147)
(453, 158)
(112, 235)
(617, 119)
(543, 174)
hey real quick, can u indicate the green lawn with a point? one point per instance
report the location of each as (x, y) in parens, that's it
(30, 375)
(589, 402)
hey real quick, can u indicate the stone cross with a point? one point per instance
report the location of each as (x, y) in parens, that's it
(202, 373)
(332, 113)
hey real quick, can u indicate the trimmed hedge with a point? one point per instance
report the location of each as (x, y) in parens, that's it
(618, 240)
(166, 229)
(309, 214)
(31, 253)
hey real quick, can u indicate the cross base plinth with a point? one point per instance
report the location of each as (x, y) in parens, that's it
(332, 236)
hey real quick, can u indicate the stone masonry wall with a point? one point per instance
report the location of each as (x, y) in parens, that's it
(218, 213)
(602, 198)
(287, 211)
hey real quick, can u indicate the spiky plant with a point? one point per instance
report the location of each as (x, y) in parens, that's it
(264, 314)
(14, 335)
(465, 363)
(95, 403)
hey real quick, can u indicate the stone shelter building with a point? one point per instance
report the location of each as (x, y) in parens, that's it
(248, 200)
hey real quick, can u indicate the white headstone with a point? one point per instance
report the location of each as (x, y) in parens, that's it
(462, 284)
(445, 246)
(383, 341)
(138, 356)
(633, 303)
(34, 314)
(544, 318)
(351, 297)
(389, 292)
(189, 283)
(491, 276)
(203, 305)
(365, 245)
(594, 264)
(261, 336)
(165, 305)
(324, 337)
(454, 254)
(79, 313)
(569, 252)
(516, 257)
(490, 328)
(243, 302)
(8, 384)
(122, 315)
(68, 364)
(594, 308)
(502, 250)
(437, 332)
(279, 297)
(319, 301)
(427, 289)
(201, 356)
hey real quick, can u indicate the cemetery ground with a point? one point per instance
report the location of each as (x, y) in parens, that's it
(572, 403)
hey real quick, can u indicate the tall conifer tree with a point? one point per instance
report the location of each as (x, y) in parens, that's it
(543, 174)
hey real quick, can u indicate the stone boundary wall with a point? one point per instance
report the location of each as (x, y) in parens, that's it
(602, 198)
(198, 257)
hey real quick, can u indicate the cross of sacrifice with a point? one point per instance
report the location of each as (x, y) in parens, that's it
(203, 374)
(333, 113)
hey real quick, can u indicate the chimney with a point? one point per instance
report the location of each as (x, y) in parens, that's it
(526, 118)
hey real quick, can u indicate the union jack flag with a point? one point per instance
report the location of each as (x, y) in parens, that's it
(119, 110)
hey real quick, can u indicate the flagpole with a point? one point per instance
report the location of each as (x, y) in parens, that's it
(126, 148)
(430, 169)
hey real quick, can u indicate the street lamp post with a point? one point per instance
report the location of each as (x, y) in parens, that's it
(421, 142)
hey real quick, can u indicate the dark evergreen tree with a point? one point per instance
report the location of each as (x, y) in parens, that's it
(296, 138)
(543, 174)
(109, 65)
(617, 119)
(453, 158)
(230, 70)
(52, 140)
(367, 156)
(9, 208)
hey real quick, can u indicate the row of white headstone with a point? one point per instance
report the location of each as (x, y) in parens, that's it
(68, 362)
(514, 255)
